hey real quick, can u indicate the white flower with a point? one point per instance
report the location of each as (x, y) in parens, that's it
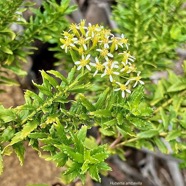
(104, 53)
(137, 79)
(109, 71)
(105, 41)
(83, 42)
(84, 62)
(67, 43)
(111, 64)
(127, 57)
(123, 88)
(122, 41)
(97, 65)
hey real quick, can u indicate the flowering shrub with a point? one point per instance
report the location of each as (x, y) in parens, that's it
(103, 89)
(100, 52)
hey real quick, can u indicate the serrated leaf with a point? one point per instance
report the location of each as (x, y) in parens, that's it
(27, 129)
(110, 123)
(71, 75)
(50, 79)
(7, 134)
(161, 146)
(34, 96)
(165, 118)
(7, 115)
(140, 123)
(86, 103)
(148, 134)
(94, 173)
(81, 135)
(177, 100)
(159, 93)
(99, 104)
(43, 89)
(107, 132)
(136, 96)
(74, 55)
(74, 156)
(175, 32)
(90, 143)
(19, 150)
(173, 135)
(38, 135)
(61, 132)
(177, 86)
(60, 158)
(58, 75)
(119, 118)
(85, 167)
(101, 113)
(100, 156)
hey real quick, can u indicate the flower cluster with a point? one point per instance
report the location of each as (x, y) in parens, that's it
(103, 54)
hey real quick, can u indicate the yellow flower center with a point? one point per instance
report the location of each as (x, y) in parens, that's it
(109, 71)
(124, 40)
(104, 52)
(99, 66)
(84, 62)
(82, 41)
(123, 87)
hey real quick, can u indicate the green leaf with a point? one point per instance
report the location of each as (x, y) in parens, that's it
(175, 32)
(27, 129)
(81, 135)
(71, 75)
(110, 123)
(177, 86)
(119, 118)
(38, 135)
(148, 134)
(50, 79)
(7, 115)
(99, 104)
(64, 5)
(101, 113)
(86, 103)
(136, 96)
(177, 101)
(61, 132)
(165, 118)
(159, 93)
(100, 156)
(58, 75)
(75, 156)
(94, 173)
(43, 89)
(161, 146)
(107, 132)
(1, 163)
(6, 50)
(7, 134)
(19, 150)
(74, 55)
(173, 135)
(60, 158)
